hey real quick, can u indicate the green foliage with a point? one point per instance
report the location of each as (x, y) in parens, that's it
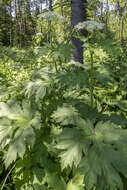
(57, 51)
(76, 183)
(63, 125)
(102, 146)
(17, 129)
(50, 136)
(66, 115)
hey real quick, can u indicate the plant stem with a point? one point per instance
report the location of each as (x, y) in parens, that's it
(7, 176)
(91, 80)
(56, 66)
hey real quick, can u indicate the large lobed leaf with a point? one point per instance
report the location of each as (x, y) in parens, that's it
(41, 84)
(98, 152)
(17, 126)
(73, 79)
(37, 88)
(66, 115)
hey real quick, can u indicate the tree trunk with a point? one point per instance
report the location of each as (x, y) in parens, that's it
(107, 12)
(16, 24)
(10, 24)
(118, 6)
(77, 15)
(49, 22)
(20, 23)
(101, 9)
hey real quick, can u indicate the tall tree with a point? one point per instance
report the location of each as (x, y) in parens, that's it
(49, 21)
(5, 20)
(77, 15)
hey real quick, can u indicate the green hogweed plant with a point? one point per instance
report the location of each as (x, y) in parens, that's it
(89, 43)
(51, 139)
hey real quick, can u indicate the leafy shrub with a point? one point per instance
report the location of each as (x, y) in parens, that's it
(50, 136)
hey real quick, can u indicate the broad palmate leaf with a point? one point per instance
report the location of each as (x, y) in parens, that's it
(17, 126)
(99, 153)
(66, 115)
(73, 80)
(37, 88)
(41, 85)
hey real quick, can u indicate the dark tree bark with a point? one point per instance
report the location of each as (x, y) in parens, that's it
(118, 7)
(49, 22)
(107, 15)
(10, 23)
(77, 15)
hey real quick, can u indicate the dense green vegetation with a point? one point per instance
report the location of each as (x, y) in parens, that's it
(63, 124)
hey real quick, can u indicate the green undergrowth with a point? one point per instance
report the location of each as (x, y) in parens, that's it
(51, 136)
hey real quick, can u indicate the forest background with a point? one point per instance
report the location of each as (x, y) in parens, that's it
(63, 95)
(21, 22)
